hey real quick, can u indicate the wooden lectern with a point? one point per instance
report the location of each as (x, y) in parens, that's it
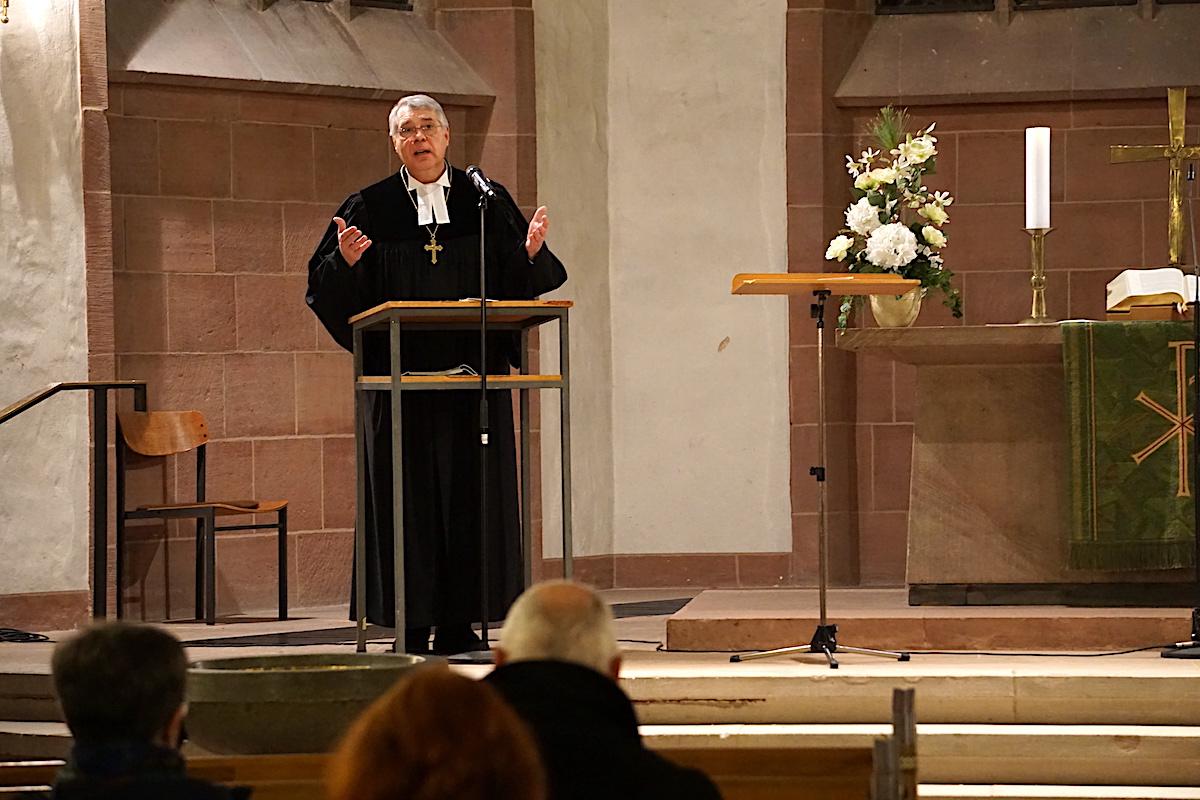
(822, 285)
(502, 315)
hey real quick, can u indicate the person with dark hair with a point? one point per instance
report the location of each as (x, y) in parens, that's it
(557, 664)
(123, 691)
(415, 236)
(437, 735)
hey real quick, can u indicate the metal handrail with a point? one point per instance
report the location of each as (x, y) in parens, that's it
(99, 390)
(54, 388)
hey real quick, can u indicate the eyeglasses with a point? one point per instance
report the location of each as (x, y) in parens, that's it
(410, 133)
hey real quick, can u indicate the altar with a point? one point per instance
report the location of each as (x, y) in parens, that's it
(988, 513)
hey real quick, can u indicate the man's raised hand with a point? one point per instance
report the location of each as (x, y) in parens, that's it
(351, 241)
(537, 232)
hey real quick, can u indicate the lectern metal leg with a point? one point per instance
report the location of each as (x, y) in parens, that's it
(360, 513)
(397, 485)
(564, 410)
(526, 470)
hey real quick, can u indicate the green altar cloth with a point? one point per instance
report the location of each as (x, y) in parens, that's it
(1130, 433)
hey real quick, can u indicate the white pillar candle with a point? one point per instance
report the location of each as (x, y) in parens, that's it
(1037, 177)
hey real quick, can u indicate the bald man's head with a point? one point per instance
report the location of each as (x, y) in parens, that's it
(560, 621)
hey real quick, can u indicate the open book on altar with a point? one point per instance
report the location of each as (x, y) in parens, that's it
(1168, 286)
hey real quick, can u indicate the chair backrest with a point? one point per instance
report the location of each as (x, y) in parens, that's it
(163, 433)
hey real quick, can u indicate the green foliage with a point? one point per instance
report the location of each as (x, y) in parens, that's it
(889, 128)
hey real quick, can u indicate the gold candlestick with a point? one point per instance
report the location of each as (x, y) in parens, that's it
(1038, 280)
(3, 10)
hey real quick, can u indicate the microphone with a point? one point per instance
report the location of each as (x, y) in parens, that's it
(481, 183)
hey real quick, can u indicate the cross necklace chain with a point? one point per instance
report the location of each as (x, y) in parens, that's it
(433, 247)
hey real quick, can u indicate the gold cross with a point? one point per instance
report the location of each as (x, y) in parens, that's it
(1182, 423)
(1176, 153)
(433, 247)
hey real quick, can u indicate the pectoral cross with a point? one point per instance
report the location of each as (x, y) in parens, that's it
(433, 247)
(1176, 154)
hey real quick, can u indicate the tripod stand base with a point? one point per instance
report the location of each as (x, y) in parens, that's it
(472, 657)
(1191, 648)
(824, 641)
(1185, 651)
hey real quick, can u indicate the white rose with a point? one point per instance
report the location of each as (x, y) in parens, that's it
(933, 237)
(919, 150)
(862, 217)
(838, 248)
(883, 175)
(864, 181)
(891, 246)
(934, 213)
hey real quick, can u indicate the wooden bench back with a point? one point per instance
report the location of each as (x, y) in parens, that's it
(740, 773)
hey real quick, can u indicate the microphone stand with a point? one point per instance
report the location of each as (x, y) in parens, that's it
(484, 654)
(1191, 648)
(484, 423)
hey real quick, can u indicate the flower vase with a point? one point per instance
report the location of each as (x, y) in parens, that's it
(891, 311)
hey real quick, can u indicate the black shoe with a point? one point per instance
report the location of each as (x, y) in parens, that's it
(453, 639)
(416, 641)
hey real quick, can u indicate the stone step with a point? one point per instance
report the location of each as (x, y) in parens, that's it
(1138, 689)
(24, 741)
(28, 697)
(764, 619)
(1116, 755)
(1012, 792)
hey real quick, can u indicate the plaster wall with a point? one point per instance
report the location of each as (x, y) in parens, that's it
(43, 452)
(696, 193)
(572, 72)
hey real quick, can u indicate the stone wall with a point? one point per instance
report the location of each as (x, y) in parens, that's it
(1106, 218)
(667, 124)
(843, 63)
(219, 197)
(43, 319)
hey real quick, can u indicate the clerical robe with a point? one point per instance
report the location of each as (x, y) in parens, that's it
(441, 428)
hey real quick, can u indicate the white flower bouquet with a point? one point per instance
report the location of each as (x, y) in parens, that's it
(895, 222)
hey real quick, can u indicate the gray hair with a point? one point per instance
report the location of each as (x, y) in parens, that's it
(421, 102)
(560, 621)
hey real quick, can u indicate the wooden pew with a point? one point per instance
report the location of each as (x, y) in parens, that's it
(888, 771)
(740, 773)
(841, 773)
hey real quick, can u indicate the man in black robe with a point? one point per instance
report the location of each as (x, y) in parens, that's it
(415, 236)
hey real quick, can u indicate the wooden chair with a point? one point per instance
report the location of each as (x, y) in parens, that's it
(157, 434)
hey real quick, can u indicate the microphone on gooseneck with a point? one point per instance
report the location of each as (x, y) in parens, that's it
(481, 183)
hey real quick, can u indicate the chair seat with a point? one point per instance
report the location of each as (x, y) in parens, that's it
(222, 507)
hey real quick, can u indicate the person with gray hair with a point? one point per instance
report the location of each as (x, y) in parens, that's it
(416, 235)
(414, 103)
(557, 664)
